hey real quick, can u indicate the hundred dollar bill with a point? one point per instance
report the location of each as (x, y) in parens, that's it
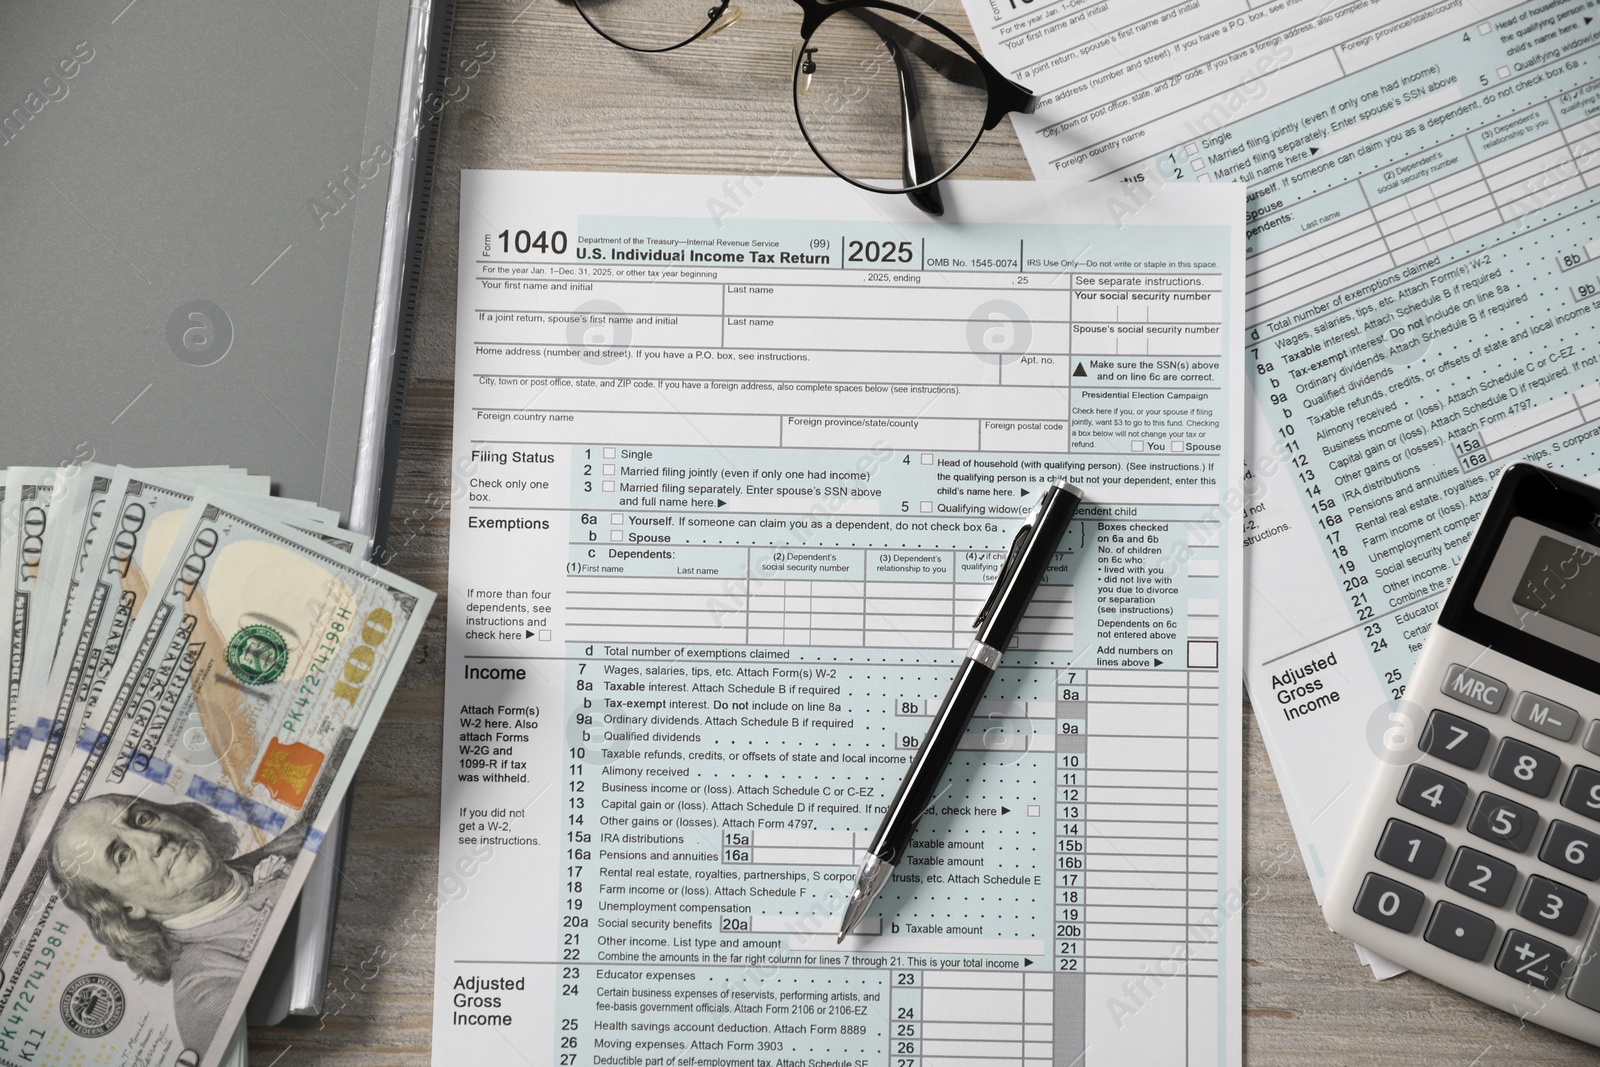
(38, 566)
(8, 534)
(82, 508)
(79, 494)
(75, 492)
(141, 513)
(245, 695)
(42, 722)
(27, 552)
(33, 560)
(71, 516)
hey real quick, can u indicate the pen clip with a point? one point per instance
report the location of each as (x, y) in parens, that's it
(1018, 544)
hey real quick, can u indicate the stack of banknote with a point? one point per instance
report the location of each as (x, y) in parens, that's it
(193, 668)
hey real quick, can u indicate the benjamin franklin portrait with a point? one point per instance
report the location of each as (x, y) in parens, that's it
(161, 889)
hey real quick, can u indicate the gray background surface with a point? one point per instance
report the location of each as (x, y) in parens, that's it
(179, 164)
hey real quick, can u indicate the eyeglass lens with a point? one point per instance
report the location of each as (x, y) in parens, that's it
(887, 100)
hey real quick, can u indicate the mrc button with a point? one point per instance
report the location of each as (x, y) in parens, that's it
(1474, 687)
(1546, 716)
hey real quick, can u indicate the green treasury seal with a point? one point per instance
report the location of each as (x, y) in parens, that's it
(258, 654)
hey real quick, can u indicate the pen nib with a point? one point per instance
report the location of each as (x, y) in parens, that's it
(870, 880)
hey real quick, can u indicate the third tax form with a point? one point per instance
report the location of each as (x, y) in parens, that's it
(1423, 227)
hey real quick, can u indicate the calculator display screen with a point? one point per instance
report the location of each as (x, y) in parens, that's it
(1562, 582)
(1529, 585)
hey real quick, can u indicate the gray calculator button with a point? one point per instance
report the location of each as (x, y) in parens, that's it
(1582, 793)
(1454, 739)
(1584, 988)
(1482, 876)
(1572, 849)
(1532, 959)
(1427, 792)
(1411, 848)
(1505, 822)
(1591, 737)
(1474, 687)
(1546, 716)
(1525, 767)
(1455, 929)
(1389, 903)
(1552, 905)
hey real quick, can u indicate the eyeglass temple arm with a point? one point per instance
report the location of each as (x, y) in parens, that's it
(948, 62)
(916, 160)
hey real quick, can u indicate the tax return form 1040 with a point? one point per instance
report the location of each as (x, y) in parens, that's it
(735, 470)
(1423, 232)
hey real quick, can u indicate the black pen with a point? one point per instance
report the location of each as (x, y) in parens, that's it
(1031, 551)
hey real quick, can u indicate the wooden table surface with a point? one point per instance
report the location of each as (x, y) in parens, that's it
(555, 96)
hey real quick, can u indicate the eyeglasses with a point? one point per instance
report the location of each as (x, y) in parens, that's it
(890, 100)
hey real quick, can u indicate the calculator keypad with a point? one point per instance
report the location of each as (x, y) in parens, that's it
(1482, 876)
(1532, 959)
(1411, 848)
(1524, 767)
(1552, 905)
(1454, 739)
(1505, 822)
(1572, 849)
(1526, 869)
(1427, 792)
(1455, 929)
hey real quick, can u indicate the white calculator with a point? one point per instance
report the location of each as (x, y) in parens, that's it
(1476, 856)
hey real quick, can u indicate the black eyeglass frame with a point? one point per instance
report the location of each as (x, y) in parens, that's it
(1004, 95)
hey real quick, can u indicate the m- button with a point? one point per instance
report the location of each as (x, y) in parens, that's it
(1474, 687)
(1546, 716)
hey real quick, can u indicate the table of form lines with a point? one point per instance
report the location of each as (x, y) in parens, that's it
(734, 491)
